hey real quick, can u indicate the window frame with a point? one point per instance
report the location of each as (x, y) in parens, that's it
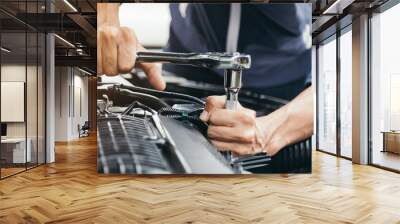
(378, 10)
(333, 37)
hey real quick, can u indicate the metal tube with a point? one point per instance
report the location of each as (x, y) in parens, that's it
(232, 85)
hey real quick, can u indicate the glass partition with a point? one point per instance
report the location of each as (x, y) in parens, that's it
(327, 96)
(346, 93)
(385, 89)
(14, 153)
(22, 88)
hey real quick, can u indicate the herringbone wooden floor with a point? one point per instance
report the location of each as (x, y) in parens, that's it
(70, 191)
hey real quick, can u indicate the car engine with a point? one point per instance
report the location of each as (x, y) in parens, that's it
(145, 131)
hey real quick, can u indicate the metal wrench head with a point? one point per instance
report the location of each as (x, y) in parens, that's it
(235, 61)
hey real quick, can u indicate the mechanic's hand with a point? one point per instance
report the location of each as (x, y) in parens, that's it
(117, 47)
(243, 133)
(237, 131)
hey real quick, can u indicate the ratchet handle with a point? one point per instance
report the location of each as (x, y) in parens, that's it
(231, 104)
(193, 59)
(213, 60)
(164, 57)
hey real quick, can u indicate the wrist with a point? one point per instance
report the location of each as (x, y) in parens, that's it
(271, 129)
(108, 14)
(271, 122)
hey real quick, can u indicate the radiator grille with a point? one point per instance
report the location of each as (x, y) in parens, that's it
(128, 145)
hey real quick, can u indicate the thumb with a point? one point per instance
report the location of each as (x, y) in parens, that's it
(153, 72)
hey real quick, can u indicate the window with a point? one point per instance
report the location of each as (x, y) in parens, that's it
(346, 94)
(385, 89)
(327, 96)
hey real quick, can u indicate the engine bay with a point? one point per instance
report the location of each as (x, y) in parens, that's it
(145, 131)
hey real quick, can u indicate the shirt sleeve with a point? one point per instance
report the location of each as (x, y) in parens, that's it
(308, 80)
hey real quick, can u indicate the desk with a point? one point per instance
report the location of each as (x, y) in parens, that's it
(13, 150)
(391, 141)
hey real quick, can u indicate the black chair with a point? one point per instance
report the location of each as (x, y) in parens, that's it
(84, 130)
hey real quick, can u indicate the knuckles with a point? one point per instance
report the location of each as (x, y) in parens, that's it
(248, 118)
(247, 136)
(210, 132)
(214, 102)
(127, 32)
(125, 63)
(125, 67)
(114, 35)
(211, 102)
(109, 32)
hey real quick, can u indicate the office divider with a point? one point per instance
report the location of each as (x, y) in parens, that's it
(22, 78)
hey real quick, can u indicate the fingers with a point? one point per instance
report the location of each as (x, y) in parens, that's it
(214, 102)
(153, 72)
(109, 50)
(116, 50)
(241, 149)
(226, 125)
(218, 102)
(228, 134)
(224, 117)
(230, 130)
(126, 50)
(117, 47)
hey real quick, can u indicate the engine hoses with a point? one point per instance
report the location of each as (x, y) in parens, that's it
(182, 115)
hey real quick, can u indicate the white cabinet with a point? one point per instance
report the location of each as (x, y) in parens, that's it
(16, 146)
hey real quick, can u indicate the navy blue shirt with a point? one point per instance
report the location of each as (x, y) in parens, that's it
(277, 36)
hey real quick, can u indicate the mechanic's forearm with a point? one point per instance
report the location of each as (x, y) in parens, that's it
(108, 13)
(292, 123)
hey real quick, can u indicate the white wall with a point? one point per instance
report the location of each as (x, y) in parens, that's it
(62, 81)
(14, 73)
(81, 104)
(71, 94)
(33, 126)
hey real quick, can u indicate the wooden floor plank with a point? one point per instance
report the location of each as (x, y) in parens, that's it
(70, 191)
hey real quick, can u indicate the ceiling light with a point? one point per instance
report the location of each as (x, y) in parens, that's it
(65, 41)
(329, 9)
(70, 5)
(5, 50)
(337, 7)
